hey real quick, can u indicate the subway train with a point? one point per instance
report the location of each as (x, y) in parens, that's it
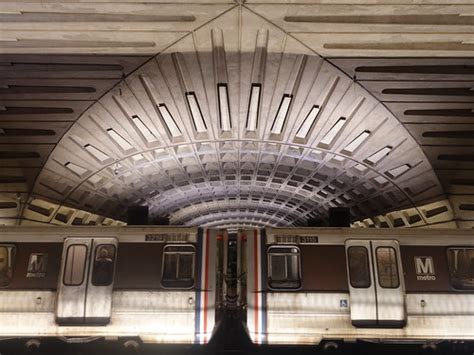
(172, 285)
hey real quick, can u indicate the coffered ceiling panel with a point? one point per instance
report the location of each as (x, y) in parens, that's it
(236, 113)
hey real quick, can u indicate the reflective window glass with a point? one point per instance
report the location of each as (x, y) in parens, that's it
(284, 267)
(75, 267)
(461, 268)
(387, 267)
(178, 266)
(104, 264)
(359, 269)
(7, 260)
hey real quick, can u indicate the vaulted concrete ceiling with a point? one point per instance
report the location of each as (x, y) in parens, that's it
(231, 114)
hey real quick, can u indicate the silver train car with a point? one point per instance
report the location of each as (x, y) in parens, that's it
(84, 283)
(313, 285)
(171, 285)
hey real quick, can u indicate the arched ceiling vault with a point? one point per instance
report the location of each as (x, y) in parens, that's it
(243, 118)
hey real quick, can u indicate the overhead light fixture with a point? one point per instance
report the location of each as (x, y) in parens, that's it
(138, 157)
(121, 142)
(143, 129)
(381, 181)
(356, 143)
(76, 169)
(308, 122)
(331, 135)
(169, 121)
(400, 170)
(96, 153)
(281, 115)
(379, 155)
(254, 107)
(196, 114)
(224, 108)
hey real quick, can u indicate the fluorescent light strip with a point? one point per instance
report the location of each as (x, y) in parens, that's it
(396, 172)
(143, 129)
(378, 156)
(356, 143)
(96, 153)
(254, 107)
(76, 169)
(333, 132)
(380, 180)
(282, 112)
(196, 114)
(224, 111)
(138, 157)
(308, 122)
(122, 142)
(169, 121)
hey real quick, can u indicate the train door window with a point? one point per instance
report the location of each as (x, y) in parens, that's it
(359, 269)
(387, 267)
(178, 266)
(284, 267)
(104, 262)
(75, 267)
(461, 267)
(7, 260)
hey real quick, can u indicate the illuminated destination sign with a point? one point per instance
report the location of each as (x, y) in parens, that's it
(166, 237)
(309, 239)
(155, 237)
(297, 239)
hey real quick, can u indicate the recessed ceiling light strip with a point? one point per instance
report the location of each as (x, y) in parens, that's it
(76, 169)
(336, 130)
(169, 121)
(333, 132)
(224, 108)
(311, 118)
(164, 114)
(96, 153)
(146, 133)
(137, 123)
(379, 155)
(119, 140)
(308, 122)
(196, 113)
(254, 108)
(398, 171)
(282, 114)
(257, 78)
(186, 84)
(291, 89)
(356, 143)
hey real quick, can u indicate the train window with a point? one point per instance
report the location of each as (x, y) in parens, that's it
(178, 266)
(461, 268)
(387, 267)
(284, 269)
(104, 263)
(7, 260)
(359, 269)
(75, 267)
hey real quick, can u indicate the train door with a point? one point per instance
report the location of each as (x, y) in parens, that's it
(376, 284)
(86, 282)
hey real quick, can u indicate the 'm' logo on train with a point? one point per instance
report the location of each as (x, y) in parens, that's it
(37, 265)
(424, 268)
